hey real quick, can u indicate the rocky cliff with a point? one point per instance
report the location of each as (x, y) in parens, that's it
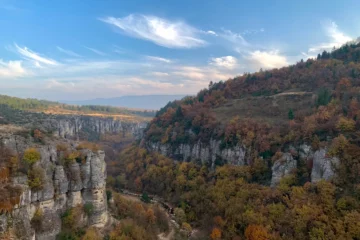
(65, 186)
(212, 154)
(75, 127)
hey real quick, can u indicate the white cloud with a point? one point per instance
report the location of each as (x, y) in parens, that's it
(228, 62)
(211, 32)
(28, 54)
(11, 69)
(155, 84)
(68, 52)
(159, 59)
(98, 52)
(159, 74)
(267, 59)
(336, 38)
(158, 30)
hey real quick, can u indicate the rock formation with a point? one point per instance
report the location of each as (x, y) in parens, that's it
(211, 154)
(66, 187)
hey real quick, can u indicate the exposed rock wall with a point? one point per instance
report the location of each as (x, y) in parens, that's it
(206, 153)
(65, 187)
(282, 167)
(74, 126)
(323, 167)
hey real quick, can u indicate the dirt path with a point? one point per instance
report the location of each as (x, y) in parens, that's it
(162, 236)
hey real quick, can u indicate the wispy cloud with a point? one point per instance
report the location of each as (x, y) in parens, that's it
(336, 38)
(228, 62)
(36, 57)
(267, 59)
(159, 59)
(158, 30)
(159, 74)
(98, 52)
(235, 38)
(252, 31)
(11, 69)
(119, 50)
(68, 52)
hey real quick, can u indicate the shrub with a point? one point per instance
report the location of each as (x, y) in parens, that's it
(345, 124)
(87, 145)
(36, 178)
(37, 219)
(180, 215)
(71, 218)
(88, 208)
(62, 147)
(71, 157)
(186, 227)
(9, 197)
(31, 156)
(145, 198)
(108, 195)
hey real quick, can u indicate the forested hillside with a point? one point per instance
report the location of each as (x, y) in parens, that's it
(296, 127)
(309, 101)
(36, 105)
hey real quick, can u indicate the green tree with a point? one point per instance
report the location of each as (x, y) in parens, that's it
(291, 114)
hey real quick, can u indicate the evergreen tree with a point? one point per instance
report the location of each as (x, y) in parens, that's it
(291, 114)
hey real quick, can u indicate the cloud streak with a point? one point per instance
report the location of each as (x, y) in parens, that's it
(158, 30)
(68, 52)
(160, 59)
(29, 54)
(98, 52)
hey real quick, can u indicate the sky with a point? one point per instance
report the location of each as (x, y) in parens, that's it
(78, 50)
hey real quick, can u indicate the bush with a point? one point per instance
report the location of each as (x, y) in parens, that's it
(180, 215)
(88, 208)
(37, 219)
(145, 198)
(36, 178)
(108, 195)
(31, 156)
(87, 145)
(71, 218)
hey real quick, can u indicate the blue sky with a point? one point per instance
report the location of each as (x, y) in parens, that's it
(75, 50)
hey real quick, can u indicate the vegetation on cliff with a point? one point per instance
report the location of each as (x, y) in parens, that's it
(268, 110)
(229, 203)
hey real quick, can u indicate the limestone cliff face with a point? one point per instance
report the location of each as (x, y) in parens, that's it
(323, 166)
(206, 153)
(75, 127)
(72, 126)
(65, 187)
(209, 154)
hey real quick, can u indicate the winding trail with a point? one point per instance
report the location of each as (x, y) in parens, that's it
(134, 197)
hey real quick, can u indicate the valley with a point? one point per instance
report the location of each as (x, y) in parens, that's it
(268, 155)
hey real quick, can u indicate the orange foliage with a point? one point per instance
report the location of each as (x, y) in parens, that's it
(215, 234)
(256, 232)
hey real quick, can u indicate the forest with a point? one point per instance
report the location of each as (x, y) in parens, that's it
(30, 104)
(236, 202)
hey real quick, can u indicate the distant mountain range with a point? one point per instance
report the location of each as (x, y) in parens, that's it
(153, 102)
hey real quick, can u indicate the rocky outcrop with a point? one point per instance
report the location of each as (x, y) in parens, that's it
(282, 167)
(208, 154)
(64, 187)
(212, 154)
(75, 127)
(323, 166)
